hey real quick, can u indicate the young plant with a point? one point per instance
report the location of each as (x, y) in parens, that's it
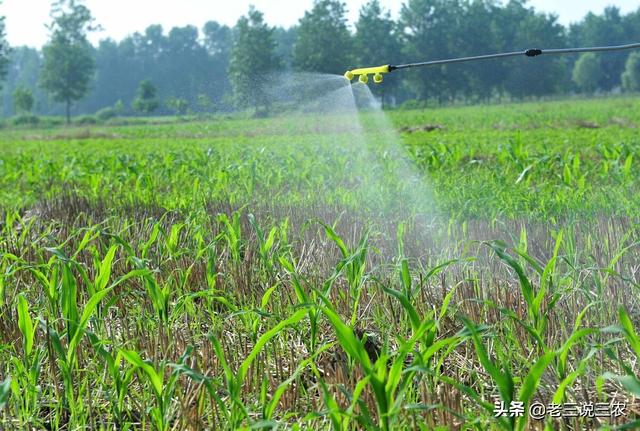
(238, 412)
(26, 372)
(353, 265)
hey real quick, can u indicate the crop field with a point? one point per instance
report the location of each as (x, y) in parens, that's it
(412, 270)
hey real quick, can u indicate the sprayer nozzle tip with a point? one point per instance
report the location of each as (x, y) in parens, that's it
(364, 78)
(377, 78)
(348, 75)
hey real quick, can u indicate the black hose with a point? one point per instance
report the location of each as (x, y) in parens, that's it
(529, 53)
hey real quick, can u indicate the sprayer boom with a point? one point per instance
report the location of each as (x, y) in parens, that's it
(377, 72)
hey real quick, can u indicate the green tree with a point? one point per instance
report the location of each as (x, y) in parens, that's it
(376, 42)
(285, 41)
(587, 72)
(68, 65)
(607, 28)
(119, 107)
(324, 43)
(23, 100)
(539, 75)
(217, 39)
(478, 32)
(204, 103)
(146, 101)
(631, 75)
(217, 42)
(23, 71)
(178, 105)
(428, 27)
(4, 51)
(253, 55)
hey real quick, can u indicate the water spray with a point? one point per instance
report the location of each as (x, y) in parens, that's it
(378, 71)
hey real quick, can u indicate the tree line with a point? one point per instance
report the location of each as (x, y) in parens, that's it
(219, 68)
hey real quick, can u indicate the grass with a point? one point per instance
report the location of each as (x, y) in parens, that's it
(300, 273)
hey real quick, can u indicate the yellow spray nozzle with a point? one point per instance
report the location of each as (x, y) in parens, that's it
(364, 72)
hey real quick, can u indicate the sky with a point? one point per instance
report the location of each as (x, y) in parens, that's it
(25, 19)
